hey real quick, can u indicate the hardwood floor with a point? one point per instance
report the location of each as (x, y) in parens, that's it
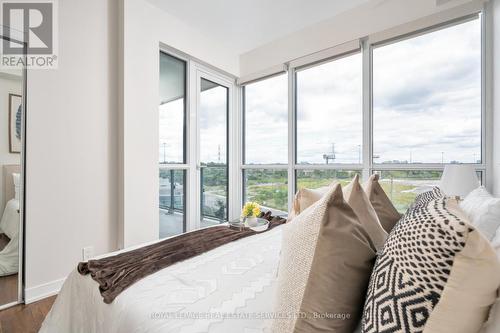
(8, 289)
(8, 284)
(25, 318)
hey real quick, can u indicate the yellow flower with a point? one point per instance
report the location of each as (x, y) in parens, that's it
(256, 211)
(250, 209)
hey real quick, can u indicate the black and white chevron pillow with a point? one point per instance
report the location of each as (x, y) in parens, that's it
(414, 267)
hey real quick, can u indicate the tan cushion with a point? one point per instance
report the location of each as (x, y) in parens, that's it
(386, 212)
(341, 268)
(304, 198)
(436, 273)
(493, 323)
(360, 204)
(297, 251)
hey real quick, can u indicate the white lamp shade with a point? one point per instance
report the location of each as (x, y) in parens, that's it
(458, 180)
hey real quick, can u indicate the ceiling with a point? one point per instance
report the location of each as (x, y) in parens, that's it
(246, 24)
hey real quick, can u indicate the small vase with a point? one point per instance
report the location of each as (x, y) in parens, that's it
(251, 221)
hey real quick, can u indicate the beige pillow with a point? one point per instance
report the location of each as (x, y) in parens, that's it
(436, 273)
(387, 214)
(297, 251)
(341, 266)
(360, 204)
(493, 323)
(304, 198)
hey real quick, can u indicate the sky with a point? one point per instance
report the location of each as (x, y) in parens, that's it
(213, 125)
(329, 111)
(266, 121)
(427, 97)
(426, 100)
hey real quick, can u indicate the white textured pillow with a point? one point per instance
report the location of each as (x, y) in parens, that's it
(297, 252)
(495, 242)
(483, 211)
(474, 200)
(17, 185)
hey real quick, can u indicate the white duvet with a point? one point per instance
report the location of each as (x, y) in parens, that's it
(228, 289)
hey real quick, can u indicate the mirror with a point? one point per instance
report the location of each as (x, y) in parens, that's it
(11, 183)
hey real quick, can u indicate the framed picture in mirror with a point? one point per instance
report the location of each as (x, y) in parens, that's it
(15, 115)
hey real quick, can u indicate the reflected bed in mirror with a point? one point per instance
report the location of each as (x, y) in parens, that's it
(12, 93)
(9, 234)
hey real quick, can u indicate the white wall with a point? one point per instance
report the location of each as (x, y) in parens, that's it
(372, 17)
(91, 162)
(145, 27)
(495, 5)
(72, 160)
(9, 84)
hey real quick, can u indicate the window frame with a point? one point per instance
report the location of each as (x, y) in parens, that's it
(243, 120)
(243, 166)
(203, 75)
(367, 166)
(185, 165)
(444, 25)
(186, 99)
(296, 70)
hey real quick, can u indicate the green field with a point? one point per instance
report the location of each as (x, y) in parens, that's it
(269, 188)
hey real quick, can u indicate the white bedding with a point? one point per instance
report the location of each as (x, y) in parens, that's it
(238, 277)
(9, 256)
(9, 224)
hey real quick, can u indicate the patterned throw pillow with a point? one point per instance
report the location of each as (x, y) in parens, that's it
(436, 273)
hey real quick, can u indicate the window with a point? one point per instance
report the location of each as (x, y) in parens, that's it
(427, 97)
(172, 208)
(172, 120)
(172, 110)
(269, 188)
(320, 178)
(213, 152)
(266, 143)
(266, 121)
(415, 101)
(330, 112)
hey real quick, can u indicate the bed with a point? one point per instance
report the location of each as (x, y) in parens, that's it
(9, 223)
(241, 286)
(200, 294)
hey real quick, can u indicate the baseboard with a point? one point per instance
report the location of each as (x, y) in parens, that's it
(42, 291)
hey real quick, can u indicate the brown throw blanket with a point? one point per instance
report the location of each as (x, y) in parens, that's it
(116, 273)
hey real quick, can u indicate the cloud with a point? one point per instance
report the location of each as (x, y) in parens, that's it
(427, 97)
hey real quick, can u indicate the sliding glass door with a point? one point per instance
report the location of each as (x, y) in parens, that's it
(193, 148)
